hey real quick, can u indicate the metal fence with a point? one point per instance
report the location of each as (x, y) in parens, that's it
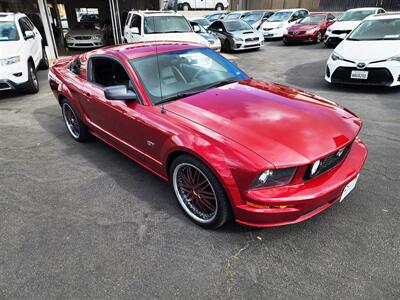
(340, 5)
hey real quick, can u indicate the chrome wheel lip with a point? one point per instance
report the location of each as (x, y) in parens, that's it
(182, 201)
(68, 122)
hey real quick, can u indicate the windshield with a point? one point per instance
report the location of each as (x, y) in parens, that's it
(236, 26)
(375, 30)
(202, 22)
(184, 72)
(252, 18)
(280, 16)
(313, 20)
(233, 16)
(8, 31)
(212, 18)
(356, 15)
(166, 24)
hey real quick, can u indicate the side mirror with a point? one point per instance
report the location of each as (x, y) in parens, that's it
(29, 35)
(135, 30)
(196, 28)
(119, 92)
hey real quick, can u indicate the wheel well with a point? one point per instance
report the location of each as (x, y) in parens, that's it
(30, 60)
(172, 157)
(61, 98)
(185, 3)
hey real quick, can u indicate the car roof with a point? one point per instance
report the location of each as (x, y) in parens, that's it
(155, 12)
(142, 49)
(290, 9)
(10, 16)
(394, 15)
(319, 14)
(364, 8)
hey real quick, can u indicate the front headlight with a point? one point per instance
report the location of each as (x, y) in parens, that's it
(336, 56)
(10, 60)
(280, 26)
(329, 29)
(277, 177)
(238, 39)
(97, 36)
(395, 58)
(311, 31)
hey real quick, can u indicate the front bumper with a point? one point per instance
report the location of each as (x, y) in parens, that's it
(385, 73)
(331, 39)
(273, 33)
(243, 45)
(89, 43)
(302, 201)
(13, 75)
(300, 38)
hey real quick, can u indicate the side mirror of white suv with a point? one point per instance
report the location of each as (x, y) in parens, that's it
(135, 30)
(29, 35)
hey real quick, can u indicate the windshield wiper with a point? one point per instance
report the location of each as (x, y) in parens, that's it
(178, 96)
(221, 83)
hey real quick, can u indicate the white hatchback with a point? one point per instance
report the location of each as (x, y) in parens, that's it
(370, 55)
(276, 25)
(21, 53)
(150, 26)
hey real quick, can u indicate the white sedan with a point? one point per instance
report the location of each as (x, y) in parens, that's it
(370, 55)
(85, 35)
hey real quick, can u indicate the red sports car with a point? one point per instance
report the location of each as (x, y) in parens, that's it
(230, 145)
(311, 29)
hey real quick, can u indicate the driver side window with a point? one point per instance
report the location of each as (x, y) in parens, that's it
(108, 72)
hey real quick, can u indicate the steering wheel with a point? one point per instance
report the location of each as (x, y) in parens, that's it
(198, 73)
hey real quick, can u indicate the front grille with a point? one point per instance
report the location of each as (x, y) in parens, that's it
(296, 32)
(333, 40)
(250, 46)
(328, 163)
(376, 76)
(328, 72)
(341, 31)
(255, 39)
(83, 37)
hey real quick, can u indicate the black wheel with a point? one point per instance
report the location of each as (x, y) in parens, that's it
(44, 63)
(219, 7)
(318, 39)
(227, 46)
(75, 126)
(32, 85)
(199, 192)
(185, 7)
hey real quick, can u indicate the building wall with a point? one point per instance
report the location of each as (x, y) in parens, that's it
(273, 4)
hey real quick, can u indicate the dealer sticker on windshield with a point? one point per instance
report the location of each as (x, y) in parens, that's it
(349, 187)
(355, 74)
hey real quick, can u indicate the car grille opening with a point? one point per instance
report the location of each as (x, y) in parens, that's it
(328, 72)
(255, 39)
(4, 86)
(376, 76)
(341, 31)
(398, 79)
(328, 163)
(296, 32)
(83, 37)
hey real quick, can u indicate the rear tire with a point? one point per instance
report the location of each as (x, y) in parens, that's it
(199, 192)
(74, 124)
(219, 7)
(318, 39)
(185, 7)
(32, 85)
(44, 63)
(227, 46)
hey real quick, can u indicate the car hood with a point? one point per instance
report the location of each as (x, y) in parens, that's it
(272, 25)
(246, 33)
(80, 32)
(9, 48)
(283, 125)
(178, 36)
(367, 51)
(345, 25)
(208, 36)
(303, 27)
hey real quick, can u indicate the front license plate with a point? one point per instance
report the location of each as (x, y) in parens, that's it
(359, 74)
(349, 187)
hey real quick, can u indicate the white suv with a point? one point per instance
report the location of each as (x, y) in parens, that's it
(203, 4)
(149, 26)
(21, 53)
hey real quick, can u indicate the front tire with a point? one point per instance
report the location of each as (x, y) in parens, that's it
(318, 39)
(44, 63)
(185, 7)
(199, 192)
(32, 85)
(227, 46)
(219, 7)
(74, 124)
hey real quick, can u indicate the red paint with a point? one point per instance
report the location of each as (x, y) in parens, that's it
(298, 32)
(238, 130)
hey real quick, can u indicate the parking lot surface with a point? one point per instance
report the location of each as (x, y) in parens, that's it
(80, 221)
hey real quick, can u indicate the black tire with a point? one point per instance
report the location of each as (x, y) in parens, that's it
(222, 211)
(227, 46)
(44, 63)
(219, 7)
(81, 132)
(185, 6)
(32, 85)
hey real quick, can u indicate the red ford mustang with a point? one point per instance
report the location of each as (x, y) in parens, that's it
(231, 146)
(311, 29)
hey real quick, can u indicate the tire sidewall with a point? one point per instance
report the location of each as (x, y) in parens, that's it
(83, 131)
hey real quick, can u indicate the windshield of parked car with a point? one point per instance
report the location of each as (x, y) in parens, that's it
(197, 27)
(280, 16)
(376, 30)
(203, 22)
(233, 16)
(8, 31)
(178, 74)
(252, 17)
(236, 26)
(86, 26)
(166, 24)
(313, 20)
(356, 15)
(213, 17)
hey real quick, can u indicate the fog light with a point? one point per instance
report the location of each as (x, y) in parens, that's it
(19, 74)
(315, 167)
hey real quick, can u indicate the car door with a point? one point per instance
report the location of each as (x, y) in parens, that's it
(126, 26)
(30, 44)
(218, 29)
(37, 39)
(135, 29)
